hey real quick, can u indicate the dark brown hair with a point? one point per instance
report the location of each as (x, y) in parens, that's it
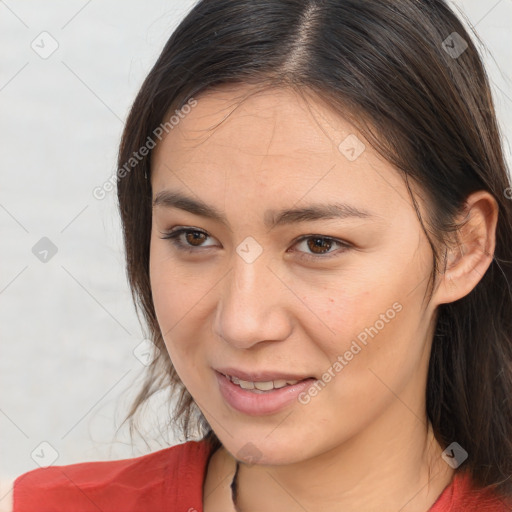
(400, 71)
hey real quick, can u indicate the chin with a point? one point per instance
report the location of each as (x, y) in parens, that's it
(265, 452)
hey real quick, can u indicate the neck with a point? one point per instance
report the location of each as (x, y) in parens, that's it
(402, 472)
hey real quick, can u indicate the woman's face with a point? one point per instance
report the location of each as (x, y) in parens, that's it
(314, 267)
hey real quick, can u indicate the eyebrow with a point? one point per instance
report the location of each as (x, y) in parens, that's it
(272, 218)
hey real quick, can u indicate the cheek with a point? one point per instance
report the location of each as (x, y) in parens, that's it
(370, 329)
(177, 289)
(346, 305)
(182, 300)
(376, 305)
(173, 298)
(374, 364)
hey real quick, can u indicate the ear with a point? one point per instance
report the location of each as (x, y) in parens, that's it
(470, 256)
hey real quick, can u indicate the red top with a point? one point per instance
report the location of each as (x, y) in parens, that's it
(169, 480)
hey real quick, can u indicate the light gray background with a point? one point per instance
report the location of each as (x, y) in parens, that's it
(68, 327)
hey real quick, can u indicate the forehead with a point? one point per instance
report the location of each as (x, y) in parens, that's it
(284, 122)
(273, 143)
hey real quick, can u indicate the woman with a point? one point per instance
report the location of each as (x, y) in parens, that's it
(318, 232)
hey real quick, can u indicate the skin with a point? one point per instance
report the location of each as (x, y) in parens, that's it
(6, 502)
(364, 442)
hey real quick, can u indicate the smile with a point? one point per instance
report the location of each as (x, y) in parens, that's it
(261, 386)
(257, 398)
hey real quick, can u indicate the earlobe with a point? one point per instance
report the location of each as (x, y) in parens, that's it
(467, 261)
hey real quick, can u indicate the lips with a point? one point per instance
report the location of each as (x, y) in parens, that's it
(262, 376)
(261, 382)
(254, 401)
(262, 386)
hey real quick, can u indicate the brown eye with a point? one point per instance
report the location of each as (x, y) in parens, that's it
(319, 245)
(189, 239)
(316, 247)
(195, 238)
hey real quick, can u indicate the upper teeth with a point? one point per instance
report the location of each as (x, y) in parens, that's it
(262, 386)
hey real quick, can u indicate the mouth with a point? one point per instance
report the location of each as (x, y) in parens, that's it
(262, 386)
(261, 394)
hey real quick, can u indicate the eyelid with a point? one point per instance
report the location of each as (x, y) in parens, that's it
(344, 246)
(174, 233)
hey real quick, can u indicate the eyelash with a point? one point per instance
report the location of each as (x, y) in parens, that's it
(174, 235)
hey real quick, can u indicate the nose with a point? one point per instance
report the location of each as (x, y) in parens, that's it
(253, 305)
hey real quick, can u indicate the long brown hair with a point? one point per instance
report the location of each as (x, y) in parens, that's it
(408, 75)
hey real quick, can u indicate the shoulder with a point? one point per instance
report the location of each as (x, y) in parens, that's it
(156, 481)
(6, 495)
(463, 496)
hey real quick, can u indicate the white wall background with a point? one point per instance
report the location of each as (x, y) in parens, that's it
(67, 326)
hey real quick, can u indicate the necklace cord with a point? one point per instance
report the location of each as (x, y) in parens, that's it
(234, 487)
